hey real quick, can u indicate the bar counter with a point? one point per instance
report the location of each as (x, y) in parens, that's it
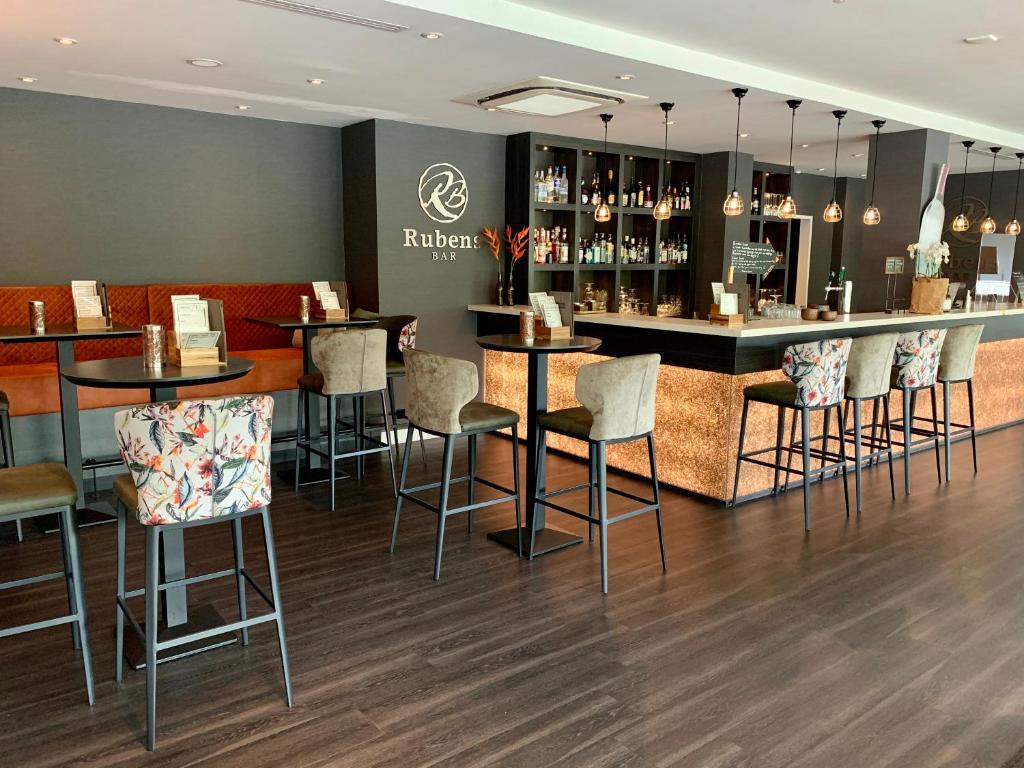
(705, 368)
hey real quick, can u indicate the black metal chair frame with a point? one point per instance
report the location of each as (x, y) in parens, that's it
(394, 415)
(598, 481)
(959, 429)
(72, 575)
(358, 433)
(441, 509)
(804, 447)
(905, 427)
(154, 586)
(7, 444)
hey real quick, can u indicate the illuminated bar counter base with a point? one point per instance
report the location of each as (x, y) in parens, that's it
(705, 368)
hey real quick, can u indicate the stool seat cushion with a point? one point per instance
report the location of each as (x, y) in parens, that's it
(5, 404)
(35, 486)
(396, 367)
(574, 422)
(312, 382)
(772, 392)
(479, 417)
(125, 491)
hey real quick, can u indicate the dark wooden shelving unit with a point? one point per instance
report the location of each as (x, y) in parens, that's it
(772, 179)
(527, 153)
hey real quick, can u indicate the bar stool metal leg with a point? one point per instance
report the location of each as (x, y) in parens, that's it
(71, 533)
(602, 505)
(332, 426)
(840, 421)
(152, 603)
(908, 420)
(518, 494)
(945, 424)
(442, 504)
(856, 405)
(657, 498)
(591, 482)
(236, 542)
(401, 487)
(825, 438)
(888, 443)
(299, 398)
(970, 406)
(739, 451)
(275, 593)
(122, 555)
(805, 437)
(935, 431)
(69, 578)
(392, 447)
(472, 480)
(780, 432)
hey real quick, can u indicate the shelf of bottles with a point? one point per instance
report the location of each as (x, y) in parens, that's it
(570, 249)
(770, 185)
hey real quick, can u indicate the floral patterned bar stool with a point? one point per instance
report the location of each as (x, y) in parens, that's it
(956, 366)
(194, 463)
(915, 367)
(817, 376)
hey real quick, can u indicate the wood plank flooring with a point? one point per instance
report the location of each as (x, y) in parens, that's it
(888, 639)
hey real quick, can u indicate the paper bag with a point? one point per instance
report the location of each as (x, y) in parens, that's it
(927, 295)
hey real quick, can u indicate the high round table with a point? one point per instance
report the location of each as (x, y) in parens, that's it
(546, 539)
(129, 373)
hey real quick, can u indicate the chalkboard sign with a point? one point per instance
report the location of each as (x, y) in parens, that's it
(752, 258)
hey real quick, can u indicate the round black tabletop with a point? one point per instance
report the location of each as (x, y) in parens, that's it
(129, 373)
(513, 342)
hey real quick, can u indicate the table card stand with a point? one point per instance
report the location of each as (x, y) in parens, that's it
(340, 288)
(564, 300)
(95, 323)
(215, 355)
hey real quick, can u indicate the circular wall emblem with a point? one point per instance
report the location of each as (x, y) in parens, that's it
(443, 192)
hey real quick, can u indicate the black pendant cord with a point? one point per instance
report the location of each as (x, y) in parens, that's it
(874, 166)
(963, 188)
(793, 104)
(1016, 194)
(605, 118)
(992, 177)
(835, 164)
(739, 93)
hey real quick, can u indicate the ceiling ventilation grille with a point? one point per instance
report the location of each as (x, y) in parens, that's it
(548, 97)
(327, 13)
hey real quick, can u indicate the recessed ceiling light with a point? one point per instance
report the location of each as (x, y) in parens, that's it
(27, 79)
(804, 146)
(431, 35)
(625, 77)
(838, 2)
(492, 109)
(671, 122)
(857, 154)
(207, 63)
(242, 107)
(863, 175)
(315, 81)
(798, 171)
(821, 169)
(65, 41)
(744, 135)
(981, 39)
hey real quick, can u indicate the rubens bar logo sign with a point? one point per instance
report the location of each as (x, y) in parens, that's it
(444, 196)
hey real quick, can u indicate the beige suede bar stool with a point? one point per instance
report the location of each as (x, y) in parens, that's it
(617, 406)
(440, 402)
(868, 380)
(915, 368)
(7, 444)
(352, 365)
(46, 489)
(956, 366)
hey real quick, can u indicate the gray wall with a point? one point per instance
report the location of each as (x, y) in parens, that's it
(130, 193)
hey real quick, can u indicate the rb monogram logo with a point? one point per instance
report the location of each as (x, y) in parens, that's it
(443, 193)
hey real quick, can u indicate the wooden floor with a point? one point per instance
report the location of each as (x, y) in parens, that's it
(892, 639)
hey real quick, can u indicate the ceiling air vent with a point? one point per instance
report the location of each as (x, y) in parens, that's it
(327, 13)
(548, 97)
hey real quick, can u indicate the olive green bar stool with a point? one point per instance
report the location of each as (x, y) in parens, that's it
(915, 369)
(617, 406)
(7, 444)
(45, 489)
(440, 402)
(956, 366)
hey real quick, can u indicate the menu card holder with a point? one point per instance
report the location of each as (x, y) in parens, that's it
(564, 300)
(340, 288)
(101, 323)
(215, 355)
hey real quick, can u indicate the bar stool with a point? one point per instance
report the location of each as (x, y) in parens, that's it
(617, 406)
(194, 463)
(817, 377)
(401, 330)
(440, 402)
(352, 365)
(7, 444)
(868, 380)
(916, 365)
(956, 366)
(45, 489)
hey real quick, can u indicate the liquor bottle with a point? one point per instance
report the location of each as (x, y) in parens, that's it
(612, 197)
(677, 199)
(755, 203)
(563, 254)
(640, 195)
(538, 187)
(579, 252)
(687, 202)
(609, 251)
(631, 194)
(563, 184)
(662, 253)
(648, 200)
(584, 192)
(686, 250)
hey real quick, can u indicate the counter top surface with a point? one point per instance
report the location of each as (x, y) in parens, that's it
(761, 328)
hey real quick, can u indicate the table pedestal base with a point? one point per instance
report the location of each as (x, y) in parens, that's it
(201, 618)
(547, 540)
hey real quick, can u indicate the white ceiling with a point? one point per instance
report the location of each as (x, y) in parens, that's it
(860, 55)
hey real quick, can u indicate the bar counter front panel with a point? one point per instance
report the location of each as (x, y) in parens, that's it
(705, 369)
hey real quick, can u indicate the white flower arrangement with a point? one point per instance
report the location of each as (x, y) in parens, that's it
(929, 258)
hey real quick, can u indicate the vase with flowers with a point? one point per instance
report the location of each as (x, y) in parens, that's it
(929, 290)
(494, 245)
(517, 245)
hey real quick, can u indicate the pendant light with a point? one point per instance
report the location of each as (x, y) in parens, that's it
(1013, 228)
(988, 224)
(787, 208)
(663, 209)
(961, 223)
(833, 213)
(733, 205)
(872, 216)
(603, 212)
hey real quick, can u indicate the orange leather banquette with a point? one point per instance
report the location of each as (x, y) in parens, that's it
(28, 371)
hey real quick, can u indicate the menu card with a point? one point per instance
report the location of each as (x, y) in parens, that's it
(87, 301)
(547, 309)
(327, 297)
(192, 322)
